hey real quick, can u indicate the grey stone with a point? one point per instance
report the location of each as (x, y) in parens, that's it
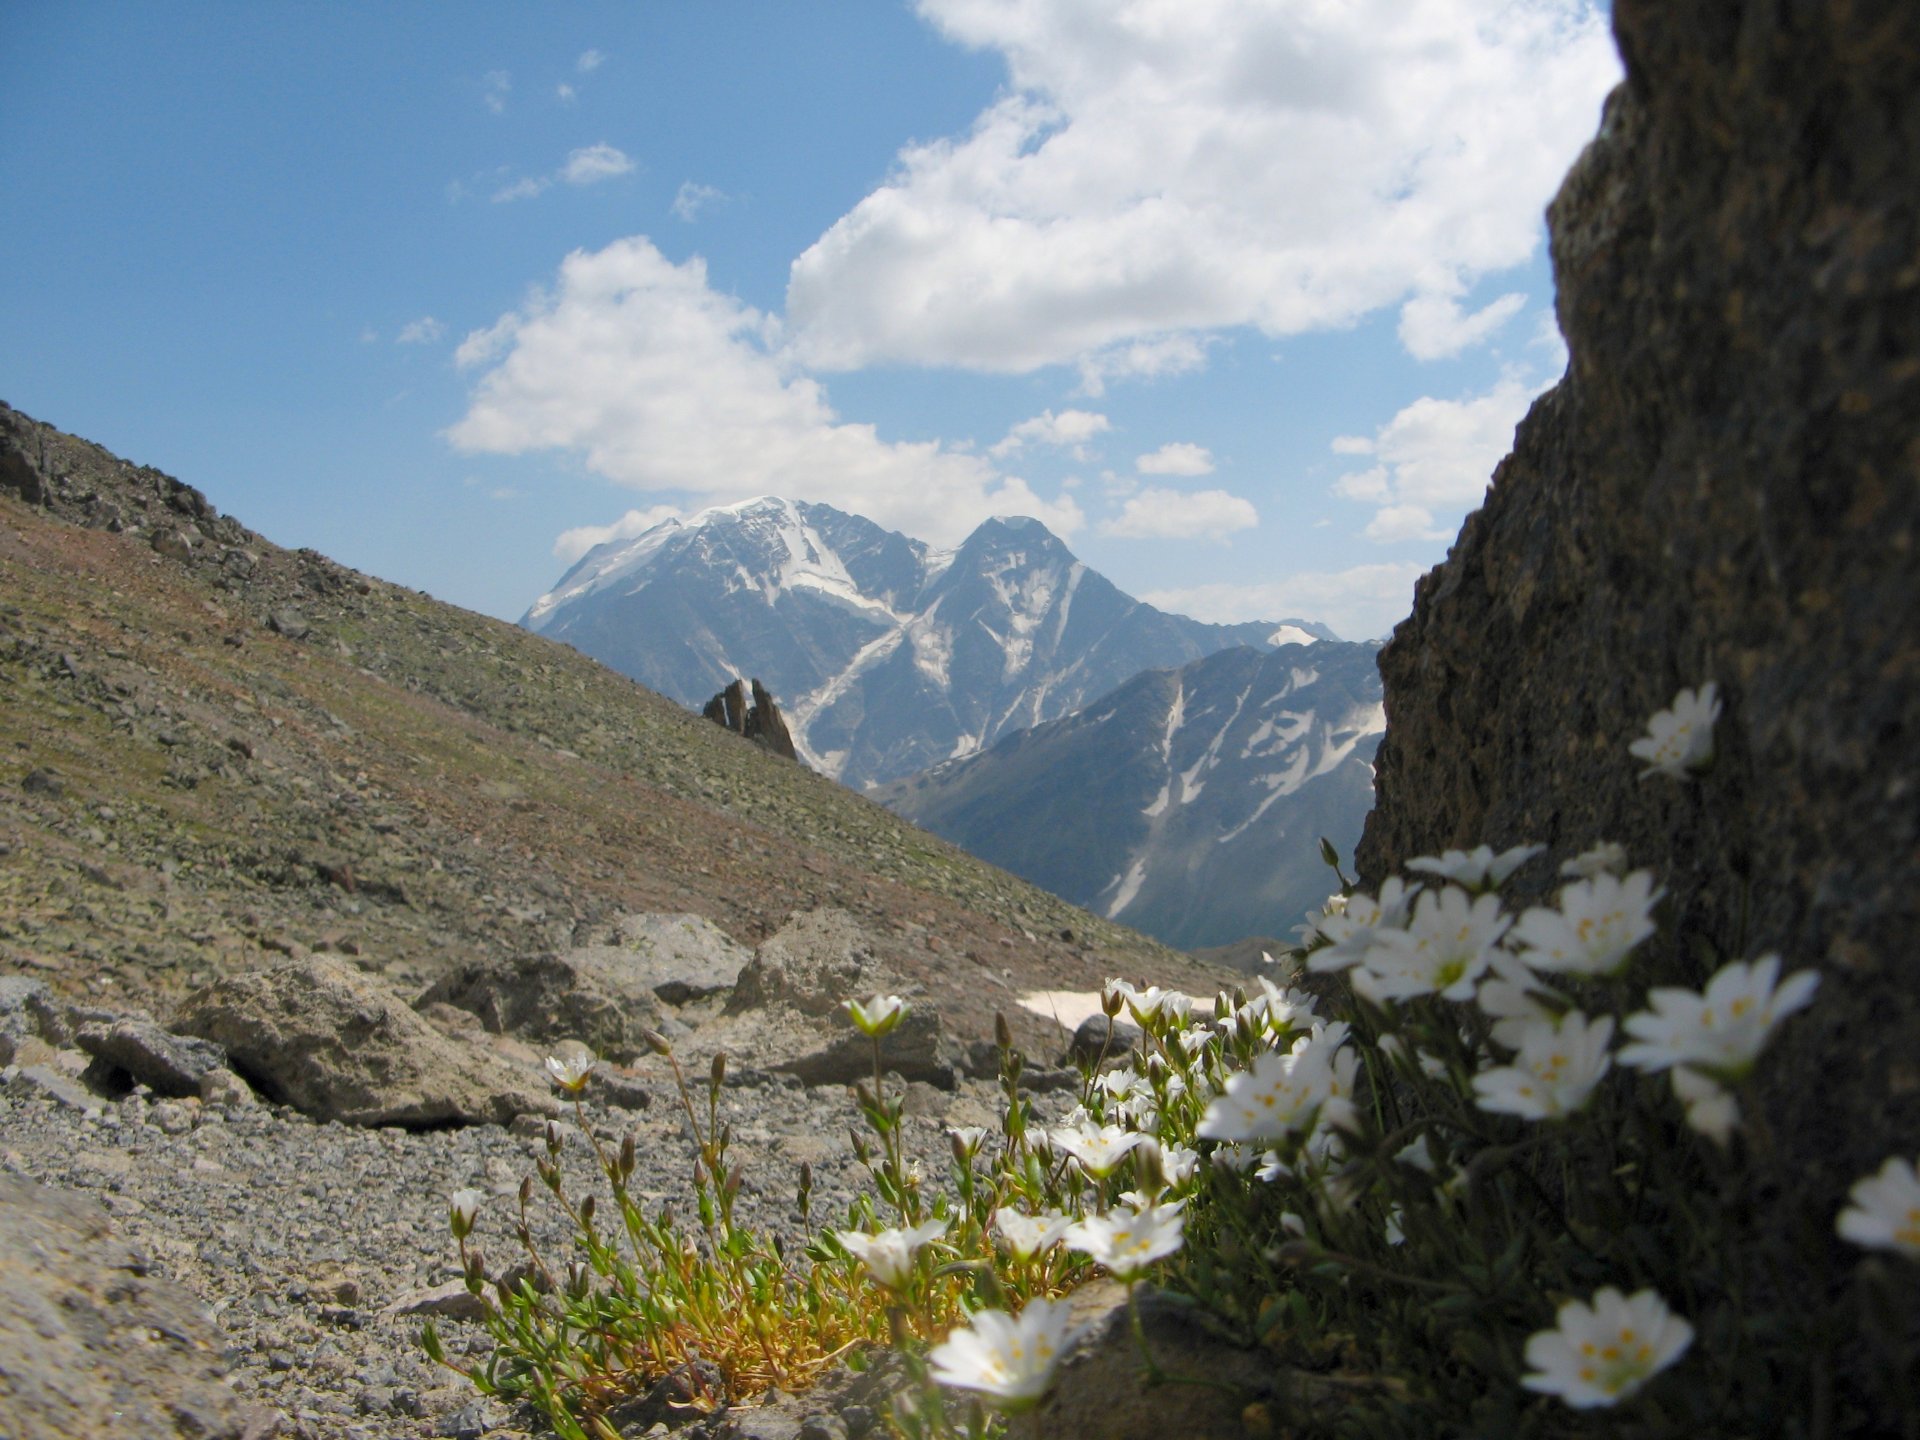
(288, 622)
(450, 1301)
(28, 1011)
(132, 1051)
(55, 1085)
(172, 542)
(93, 1344)
(338, 1045)
(814, 963)
(914, 1048)
(599, 995)
(1098, 1036)
(42, 781)
(681, 957)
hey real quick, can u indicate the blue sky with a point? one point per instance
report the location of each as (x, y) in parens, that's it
(1242, 298)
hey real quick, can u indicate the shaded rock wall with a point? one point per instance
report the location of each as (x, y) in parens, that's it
(1724, 486)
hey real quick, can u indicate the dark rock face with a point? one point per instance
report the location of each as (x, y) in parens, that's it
(758, 719)
(1723, 487)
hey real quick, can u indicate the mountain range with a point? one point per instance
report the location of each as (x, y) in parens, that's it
(886, 655)
(1187, 803)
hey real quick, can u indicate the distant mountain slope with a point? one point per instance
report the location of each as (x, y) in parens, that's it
(215, 752)
(1188, 803)
(886, 656)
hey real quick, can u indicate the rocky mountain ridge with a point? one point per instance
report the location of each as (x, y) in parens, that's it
(1188, 803)
(888, 657)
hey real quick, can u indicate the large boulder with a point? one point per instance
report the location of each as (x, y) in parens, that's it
(336, 1044)
(681, 958)
(589, 994)
(814, 963)
(1726, 487)
(29, 1012)
(132, 1050)
(92, 1343)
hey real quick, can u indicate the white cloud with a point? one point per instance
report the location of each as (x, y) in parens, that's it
(1179, 458)
(1434, 327)
(574, 543)
(565, 93)
(1352, 445)
(1361, 603)
(663, 384)
(494, 87)
(424, 331)
(1167, 168)
(1155, 514)
(522, 189)
(1069, 428)
(1434, 459)
(594, 163)
(589, 61)
(368, 335)
(1148, 359)
(691, 199)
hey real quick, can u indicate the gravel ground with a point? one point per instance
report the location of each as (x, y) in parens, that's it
(299, 1235)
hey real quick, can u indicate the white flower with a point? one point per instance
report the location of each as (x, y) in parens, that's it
(1554, 1073)
(1236, 1157)
(1600, 1354)
(1029, 1235)
(1598, 924)
(1679, 740)
(1712, 1109)
(1723, 1029)
(1512, 997)
(1151, 1002)
(878, 1015)
(1178, 1164)
(1396, 1235)
(1010, 1361)
(1279, 1010)
(1280, 1095)
(1444, 949)
(1885, 1213)
(570, 1071)
(1606, 858)
(1126, 1241)
(464, 1207)
(888, 1256)
(1098, 1151)
(1476, 869)
(1352, 932)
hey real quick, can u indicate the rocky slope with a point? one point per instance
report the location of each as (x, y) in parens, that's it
(887, 657)
(1725, 487)
(216, 753)
(1188, 803)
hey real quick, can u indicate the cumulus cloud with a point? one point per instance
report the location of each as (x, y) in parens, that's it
(574, 543)
(589, 61)
(523, 189)
(1361, 603)
(593, 163)
(565, 93)
(1434, 327)
(1156, 514)
(1157, 171)
(1070, 428)
(423, 331)
(660, 383)
(691, 199)
(494, 88)
(1179, 458)
(1432, 461)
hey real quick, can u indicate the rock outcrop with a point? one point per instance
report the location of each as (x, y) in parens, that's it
(1724, 487)
(758, 719)
(337, 1045)
(92, 1343)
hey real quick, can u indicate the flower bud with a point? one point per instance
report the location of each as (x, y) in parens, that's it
(655, 1041)
(628, 1158)
(1002, 1031)
(717, 1072)
(586, 1210)
(1329, 854)
(526, 1190)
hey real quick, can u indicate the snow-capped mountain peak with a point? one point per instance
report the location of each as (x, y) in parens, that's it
(885, 655)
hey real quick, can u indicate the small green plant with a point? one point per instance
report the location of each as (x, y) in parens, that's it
(1486, 1175)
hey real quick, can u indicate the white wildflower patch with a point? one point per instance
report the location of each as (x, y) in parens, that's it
(1883, 1211)
(1006, 1359)
(1679, 739)
(1280, 1096)
(889, 1255)
(1723, 1029)
(1597, 925)
(1444, 950)
(1127, 1241)
(1100, 1150)
(1554, 1073)
(1599, 1354)
(1351, 934)
(1478, 868)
